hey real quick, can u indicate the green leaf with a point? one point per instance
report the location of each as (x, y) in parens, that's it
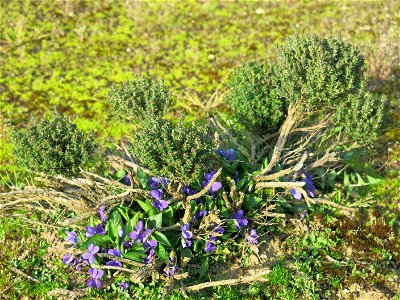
(168, 216)
(360, 181)
(154, 221)
(204, 267)
(112, 230)
(161, 253)
(142, 178)
(116, 217)
(135, 256)
(124, 212)
(132, 222)
(148, 208)
(186, 252)
(98, 240)
(161, 238)
(251, 202)
(120, 174)
(373, 180)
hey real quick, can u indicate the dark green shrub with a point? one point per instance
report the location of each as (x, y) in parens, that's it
(176, 151)
(316, 73)
(140, 98)
(360, 116)
(54, 146)
(253, 99)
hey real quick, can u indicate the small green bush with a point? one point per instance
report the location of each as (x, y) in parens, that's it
(176, 151)
(54, 146)
(253, 99)
(141, 98)
(316, 73)
(360, 116)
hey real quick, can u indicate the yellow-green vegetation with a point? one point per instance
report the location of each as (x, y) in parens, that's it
(68, 54)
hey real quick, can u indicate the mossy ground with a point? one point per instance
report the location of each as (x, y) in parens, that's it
(68, 53)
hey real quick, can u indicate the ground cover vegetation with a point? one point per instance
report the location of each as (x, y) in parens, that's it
(278, 188)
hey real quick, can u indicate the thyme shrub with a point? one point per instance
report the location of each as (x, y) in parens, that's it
(253, 99)
(54, 146)
(177, 151)
(141, 98)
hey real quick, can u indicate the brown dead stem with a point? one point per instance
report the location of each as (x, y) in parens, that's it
(234, 281)
(287, 126)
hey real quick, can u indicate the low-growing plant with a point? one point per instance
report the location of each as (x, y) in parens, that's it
(253, 99)
(179, 207)
(175, 150)
(54, 146)
(140, 99)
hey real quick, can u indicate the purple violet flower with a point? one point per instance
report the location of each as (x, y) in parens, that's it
(121, 233)
(68, 259)
(114, 252)
(159, 203)
(71, 238)
(228, 155)
(99, 229)
(155, 182)
(199, 214)
(170, 271)
(150, 256)
(124, 286)
(186, 235)
(309, 186)
(252, 237)
(103, 217)
(80, 263)
(239, 220)
(149, 244)
(89, 256)
(219, 230)
(138, 235)
(215, 187)
(114, 263)
(303, 214)
(295, 193)
(127, 180)
(95, 280)
(210, 244)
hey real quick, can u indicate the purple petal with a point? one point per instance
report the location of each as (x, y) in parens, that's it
(93, 272)
(114, 263)
(68, 259)
(124, 286)
(114, 252)
(216, 187)
(90, 231)
(100, 229)
(139, 226)
(156, 194)
(296, 194)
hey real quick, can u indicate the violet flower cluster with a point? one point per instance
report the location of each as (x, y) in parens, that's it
(171, 268)
(309, 187)
(158, 203)
(95, 275)
(186, 235)
(210, 244)
(215, 187)
(229, 155)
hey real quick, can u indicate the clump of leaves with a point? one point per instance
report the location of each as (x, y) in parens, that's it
(141, 98)
(315, 72)
(360, 116)
(253, 99)
(177, 151)
(53, 146)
